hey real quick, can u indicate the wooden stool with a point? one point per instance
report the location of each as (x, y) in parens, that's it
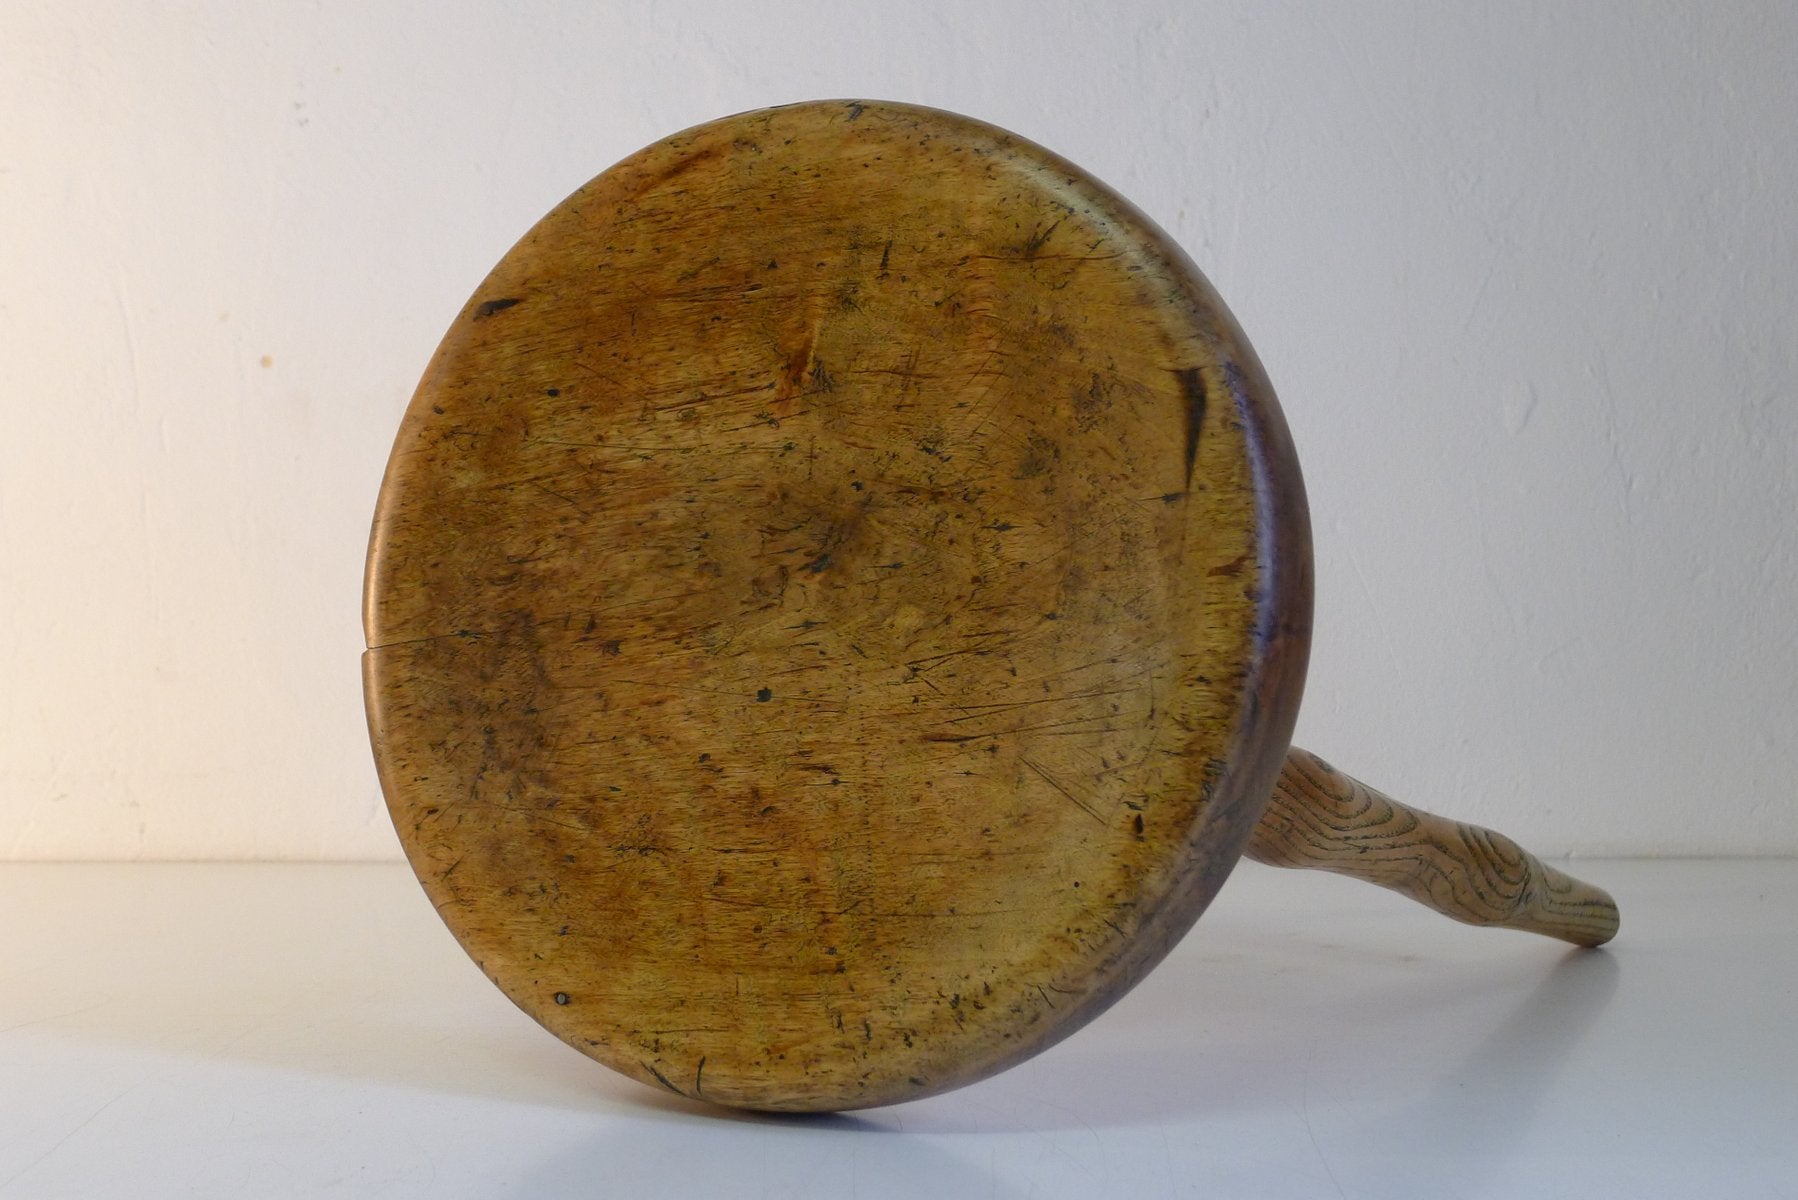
(837, 610)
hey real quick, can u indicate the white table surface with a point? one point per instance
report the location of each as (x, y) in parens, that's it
(270, 1031)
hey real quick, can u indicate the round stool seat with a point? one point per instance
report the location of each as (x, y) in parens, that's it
(836, 609)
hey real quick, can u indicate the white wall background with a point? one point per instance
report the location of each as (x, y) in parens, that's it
(1525, 275)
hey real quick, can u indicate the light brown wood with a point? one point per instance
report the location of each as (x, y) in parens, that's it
(838, 602)
(1321, 819)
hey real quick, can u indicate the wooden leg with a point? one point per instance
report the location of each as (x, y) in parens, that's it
(1321, 819)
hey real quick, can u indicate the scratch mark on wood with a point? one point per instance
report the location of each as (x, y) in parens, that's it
(1072, 799)
(489, 307)
(661, 1078)
(1192, 386)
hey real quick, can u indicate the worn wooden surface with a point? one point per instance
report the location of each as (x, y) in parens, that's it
(838, 603)
(1322, 819)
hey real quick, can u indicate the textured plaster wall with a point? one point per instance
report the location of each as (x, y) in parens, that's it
(1524, 275)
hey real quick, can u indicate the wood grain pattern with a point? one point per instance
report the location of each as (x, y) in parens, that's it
(837, 604)
(1320, 818)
